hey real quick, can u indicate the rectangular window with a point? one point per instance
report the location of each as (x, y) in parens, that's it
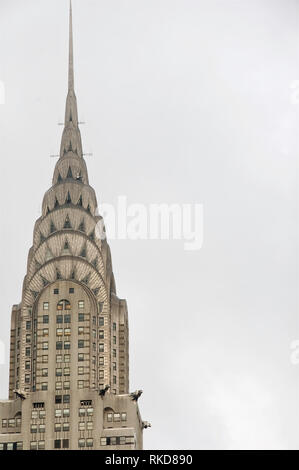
(71, 290)
(101, 360)
(101, 334)
(33, 428)
(59, 319)
(114, 352)
(58, 385)
(46, 332)
(67, 318)
(67, 358)
(81, 443)
(42, 428)
(34, 414)
(89, 425)
(66, 426)
(80, 357)
(58, 399)
(27, 352)
(66, 412)
(101, 304)
(114, 326)
(66, 385)
(57, 444)
(66, 398)
(109, 417)
(59, 331)
(81, 343)
(81, 426)
(81, 317)
(58, 358)
(89, 442)
(124, 416)
(80, 384)
(45, 345)
(65, 443)
(33, 445)
(44, 386)
(57, 427)
(101, 321)
(67, 345)
(116, 417)
(4, 423)
(114, 339)
(28, 338)
(58, 372)
(67, 332)
(80, 370)
(28, 325)
(82, 412)
(81, 304)
(58, 413)
(101, 347)
(101, 374)
(103, 441)
(66, 371)
(114, 365)
(80, 330)
(56, 291)
(41, 445)
(58, 345)
(45, 318)
(89, 411)
(46, 305)
(27, 365)
(44, 372)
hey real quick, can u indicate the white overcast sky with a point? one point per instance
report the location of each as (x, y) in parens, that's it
(185, 101)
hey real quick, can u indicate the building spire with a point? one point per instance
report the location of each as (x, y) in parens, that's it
(71, 138)
(71, 53)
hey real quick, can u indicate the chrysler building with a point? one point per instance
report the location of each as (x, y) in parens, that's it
(69, 347)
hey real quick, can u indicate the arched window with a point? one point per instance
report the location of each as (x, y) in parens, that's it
(63, 305)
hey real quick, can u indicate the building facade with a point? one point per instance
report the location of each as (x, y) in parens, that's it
(69, 347)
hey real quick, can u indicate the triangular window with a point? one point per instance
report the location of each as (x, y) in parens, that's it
(48, 254)
(67, 223)
(56, 203)
(80, 202)
(82, 226)
(68, 199)
(66, 249)
(73, 275)
(58, 275)
(91, 236)
(86, 279)
(69, 173)
(83, 252)
(45, 281)
(59, 178)
(52, 227)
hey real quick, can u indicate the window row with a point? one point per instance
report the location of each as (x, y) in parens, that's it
(37, 445)
(117, 440)
(116, 417)
(85, 442)
(63, 304)
(35, 428)
(58, 427)
(11, 423)
(11, 445)
(35, 414)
